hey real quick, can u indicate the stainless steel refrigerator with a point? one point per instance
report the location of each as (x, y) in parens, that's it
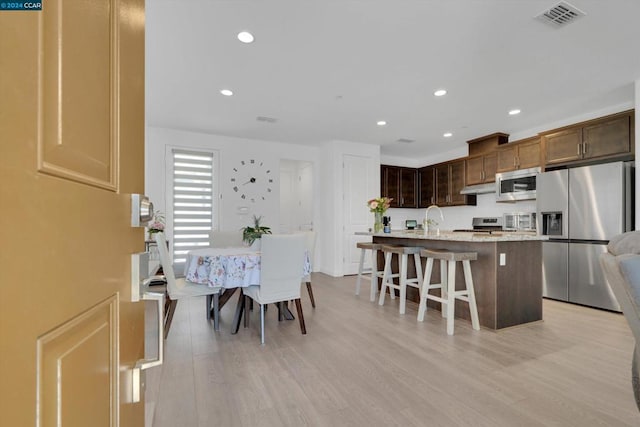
(580, 209)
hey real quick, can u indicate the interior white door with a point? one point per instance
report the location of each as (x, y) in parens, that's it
(287, 197)
(305, 187)
(296, 196)
(358, 187)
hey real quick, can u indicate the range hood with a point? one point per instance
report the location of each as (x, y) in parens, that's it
(489, 187)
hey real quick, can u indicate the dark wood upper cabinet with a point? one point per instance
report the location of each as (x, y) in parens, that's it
(400, 184)
(563, 146)
(442, 184)
(408, 188)
(450, 180)
(426, 186)
(607, 137)
(602, 139)
(522, 154)
(481, 169)
(487, 144)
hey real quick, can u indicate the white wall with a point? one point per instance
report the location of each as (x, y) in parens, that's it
(230, 151)
(459, 217)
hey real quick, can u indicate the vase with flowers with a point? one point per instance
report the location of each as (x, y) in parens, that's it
(156, 225)
(378, 206)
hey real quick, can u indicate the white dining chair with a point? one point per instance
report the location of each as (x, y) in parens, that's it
(226, 239)
(178, 288)
(310, 239)
(281, 266)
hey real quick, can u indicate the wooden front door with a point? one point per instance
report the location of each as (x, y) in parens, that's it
(71, 153)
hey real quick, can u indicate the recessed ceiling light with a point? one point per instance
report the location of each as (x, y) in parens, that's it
(440, 92)
(514, 112)
(245, 37)
(226, 92)
(381, 123)
(447, 135)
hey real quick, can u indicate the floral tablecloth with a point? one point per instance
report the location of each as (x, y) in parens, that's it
(228, 267)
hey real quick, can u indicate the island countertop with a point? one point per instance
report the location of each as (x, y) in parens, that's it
(507, 273)
(460, 236)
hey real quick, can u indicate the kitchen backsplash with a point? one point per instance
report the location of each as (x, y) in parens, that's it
(459, 217)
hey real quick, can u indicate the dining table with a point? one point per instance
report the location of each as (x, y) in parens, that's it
(231, 268)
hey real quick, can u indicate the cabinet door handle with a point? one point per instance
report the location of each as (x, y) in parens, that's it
(579, 150)
(584, 148)
(515, 162)
(518, 162)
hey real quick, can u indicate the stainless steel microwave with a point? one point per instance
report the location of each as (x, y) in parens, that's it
(516, 185)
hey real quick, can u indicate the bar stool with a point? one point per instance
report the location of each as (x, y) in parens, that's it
(403, 253)
(447, 285)
(372, 273)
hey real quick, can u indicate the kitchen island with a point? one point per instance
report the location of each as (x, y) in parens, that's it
(507, 275)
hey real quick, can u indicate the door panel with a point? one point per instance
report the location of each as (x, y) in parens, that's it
(357, 182)
(442, 184)
(596, 205)
(490, 167)
(408, 188)
(529, 155)
(456, 169)
(563, 146)
(426, 183)
(608, 138)
(72, 126)
(78, 140)
(587, 284)
(507, 158)
(555, 270)
(474, 170)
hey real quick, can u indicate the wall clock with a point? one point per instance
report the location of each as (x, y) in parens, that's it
(252, 181)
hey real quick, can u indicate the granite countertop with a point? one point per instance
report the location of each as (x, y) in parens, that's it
(459, 236)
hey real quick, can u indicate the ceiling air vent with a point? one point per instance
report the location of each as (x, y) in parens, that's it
(560, 14)
(406, 141)
(266, 119)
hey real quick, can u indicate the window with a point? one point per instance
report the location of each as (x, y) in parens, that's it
(192, 210)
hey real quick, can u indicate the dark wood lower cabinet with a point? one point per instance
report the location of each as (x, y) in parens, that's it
(506, 295)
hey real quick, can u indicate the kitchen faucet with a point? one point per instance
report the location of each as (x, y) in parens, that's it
(427, 220)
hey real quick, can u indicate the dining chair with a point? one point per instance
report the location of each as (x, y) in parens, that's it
(178, 288)
(280, 274)
(226, 239)
(310, 246)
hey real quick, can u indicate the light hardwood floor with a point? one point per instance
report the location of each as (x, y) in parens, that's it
(366, 365)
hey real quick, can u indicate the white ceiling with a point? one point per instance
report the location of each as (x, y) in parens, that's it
(330, 69)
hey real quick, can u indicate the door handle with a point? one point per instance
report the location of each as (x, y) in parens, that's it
(139, 292)
(584, 148)
(579, 149)
(143, 364)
